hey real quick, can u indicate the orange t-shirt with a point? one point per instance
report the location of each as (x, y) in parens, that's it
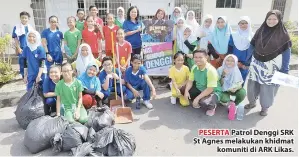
(91, 38)
(108, 39)
(124, 50)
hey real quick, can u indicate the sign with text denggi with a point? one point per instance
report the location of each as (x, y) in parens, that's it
(158, 58)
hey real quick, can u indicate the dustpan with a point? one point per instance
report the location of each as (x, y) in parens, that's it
(114, 103)
(122, 114)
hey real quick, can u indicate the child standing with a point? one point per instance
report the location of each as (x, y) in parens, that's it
(124, 51)
(231, 80)
(93, 12)
(93, 37)
(107, 77)
(72, 39)
(80, 22)
(34, 60)
(187, 45)
(49, 89)
(120, 17)
(92, 94)
(107, 30)
(19, 35)
(52, 40)
(69, 97)
(137, 79)
(179, 74)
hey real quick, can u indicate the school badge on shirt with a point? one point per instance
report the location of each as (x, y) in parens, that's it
(91, 85)
(74, 88)
(36, 55)
(58, 35)
(126, 49)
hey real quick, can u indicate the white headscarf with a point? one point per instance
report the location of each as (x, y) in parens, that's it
(242, 38)
(37, 43)
(208, 31)
(120, 19)
(190, 39)
(82, 62)
(193, 23)
(174, 18)
(180, 32)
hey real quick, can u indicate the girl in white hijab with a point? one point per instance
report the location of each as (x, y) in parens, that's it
(177, 14)
(191, 21)
(84, 58)
(120, 17)
(206, 30)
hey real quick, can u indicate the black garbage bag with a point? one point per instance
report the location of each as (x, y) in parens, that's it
(40, 131)
(91, 135)
(84, 149)
(99, 118)
(114, 142)
(30, 106)
(73, 136)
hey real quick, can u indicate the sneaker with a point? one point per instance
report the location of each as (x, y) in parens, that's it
(263, 113)
(249, 106)
(148, 104)
(211, 112)
(53, 114)
(173, 100)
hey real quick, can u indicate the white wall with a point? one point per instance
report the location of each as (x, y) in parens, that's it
(255, 9)
(10, 13)
(294, 11)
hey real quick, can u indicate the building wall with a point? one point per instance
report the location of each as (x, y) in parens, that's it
(293, 11)
(10, 13)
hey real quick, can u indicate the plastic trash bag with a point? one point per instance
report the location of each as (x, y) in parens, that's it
(91, 135)
(30, 106)
(114, 142)
(84, 149)
(40, 131)
(73, 136)
(99, 118)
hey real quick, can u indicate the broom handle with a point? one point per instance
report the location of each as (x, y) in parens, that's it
(121, 86)
(113, 64)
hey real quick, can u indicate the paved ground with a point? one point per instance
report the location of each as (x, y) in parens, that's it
(167, 129)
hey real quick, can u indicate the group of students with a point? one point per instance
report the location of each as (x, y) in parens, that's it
(211, 62)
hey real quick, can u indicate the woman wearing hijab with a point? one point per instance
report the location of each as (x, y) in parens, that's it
(191, 21)
(120, 19)
(84, 58)
(176, 14)
(231, 80)
(219, 41)
(240, 41)
(206, 30)
(271, 52)
(92, 94)
(34, 57)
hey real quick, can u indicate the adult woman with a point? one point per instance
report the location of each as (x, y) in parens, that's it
(176, 14)
(120, 19)
(271, 52)
(240, 41)
(219, 41)
(206, 30)
(191, 21)
(133, 28)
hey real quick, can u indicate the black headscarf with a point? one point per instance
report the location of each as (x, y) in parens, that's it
(270, 42)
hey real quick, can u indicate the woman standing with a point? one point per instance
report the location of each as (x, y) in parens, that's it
(120, 19)
(133, 28)
(191, 21)
(271, 52)
(206, 30)
(240, 41)
(219, 40)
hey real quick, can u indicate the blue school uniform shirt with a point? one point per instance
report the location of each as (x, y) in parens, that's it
(22, 38)
(33, 59)
(54, 43)
(135, 79)
(134, 39)
(103, 75)
(48, 85)
(244, 56)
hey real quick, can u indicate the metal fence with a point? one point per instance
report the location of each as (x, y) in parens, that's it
(39, 14)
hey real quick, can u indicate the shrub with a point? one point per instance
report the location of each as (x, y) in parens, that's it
(6, 72)
(294, 39)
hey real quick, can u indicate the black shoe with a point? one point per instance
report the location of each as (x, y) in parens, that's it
(99, 103)
(53, 114)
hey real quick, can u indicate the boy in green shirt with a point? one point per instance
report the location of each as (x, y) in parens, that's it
(72, 39)
(69, 97)
(206, 90)
(80, 22)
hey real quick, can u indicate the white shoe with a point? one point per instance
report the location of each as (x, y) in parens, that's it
(148, 104)
(173, 100)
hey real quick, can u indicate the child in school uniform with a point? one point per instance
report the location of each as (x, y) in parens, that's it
(137, 79)
(19, 35)
(69, 97)
(120, 19)
(107, 30)
(107, 77)
(81, 20)
(49, 85)
(92, 94)
(93, 37)
(52, 40)
(179, 74)
(124, 51)
(93, 12)
(34, 57)
(72, 39)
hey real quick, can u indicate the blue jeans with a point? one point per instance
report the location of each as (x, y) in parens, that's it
(107, 92)
(21, 64)
(142, 86)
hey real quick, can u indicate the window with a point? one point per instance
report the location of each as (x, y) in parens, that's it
(229, 4)
(279, 5)
(39, 14)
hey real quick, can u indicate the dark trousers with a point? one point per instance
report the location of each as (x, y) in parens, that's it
(208, 102)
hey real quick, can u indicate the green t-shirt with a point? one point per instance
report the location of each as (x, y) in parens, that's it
(69, 93)
(80, 25)
(205, 78)
(72, 39)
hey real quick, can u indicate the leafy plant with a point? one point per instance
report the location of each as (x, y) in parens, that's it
(6, 72)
